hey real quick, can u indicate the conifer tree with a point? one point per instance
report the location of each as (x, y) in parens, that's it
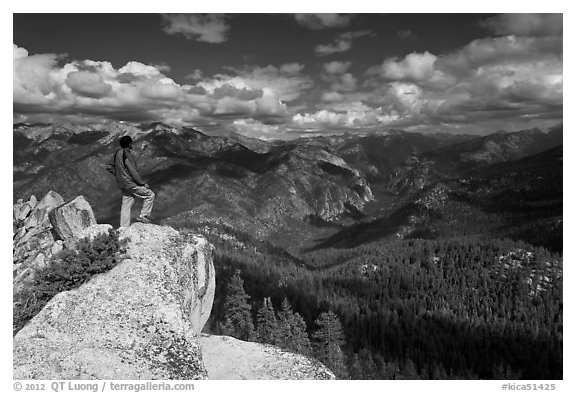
(409, 370)
(291, 333)
(438, 372)
(300, 342)
(284, 321)
(355, 367)
(238, 316)
(267, 328)
(328, 342)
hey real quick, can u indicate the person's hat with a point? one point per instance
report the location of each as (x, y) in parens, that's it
(125, 141)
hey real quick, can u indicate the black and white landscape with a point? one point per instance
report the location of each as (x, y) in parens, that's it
(401, 171)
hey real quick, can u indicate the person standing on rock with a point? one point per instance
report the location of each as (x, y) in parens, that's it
(131, 184)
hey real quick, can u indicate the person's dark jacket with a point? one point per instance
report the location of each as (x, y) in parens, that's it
(127, 175)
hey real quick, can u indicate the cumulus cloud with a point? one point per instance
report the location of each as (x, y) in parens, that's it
(420, 67)
(243, 94)
(161, 90)
(337, 67)
(407, 99)
(341, 84)
(273, 85)
(494, 77)
(500, 51)
(416, 66)
(506, 76)
(195, 75)
(210, 28)
(534, 25)
(19, 53)
(350, 115)
(33, 76)
(285, 82)
(347, 82)
(492, 83)
(514, 79)
(342, 43)
(88, 84)
(291, 68)
(406, 34)
(255, 129)
(323, 21)
(140, 92)
(332, 96)
(139, 69)
(163, 68)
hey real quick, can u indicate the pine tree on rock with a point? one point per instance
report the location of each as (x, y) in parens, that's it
(238, 315)
(267, 329)
(291, 333)
(328, 342)
(284, 333)
(300, 342)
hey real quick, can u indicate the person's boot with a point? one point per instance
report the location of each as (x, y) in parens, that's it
(144, 220)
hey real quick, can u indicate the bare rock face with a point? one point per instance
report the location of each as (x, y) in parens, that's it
(22, 209)
(33, 239)
(50, 201)
(70, 219)
(193, 267)
(94, 230)
(31, 217)
(137, 321)
(228, 358)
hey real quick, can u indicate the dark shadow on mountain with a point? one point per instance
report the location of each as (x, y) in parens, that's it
(243, 157)
(319, 222)
(174, 171)
(367, 232)
(334, 169)
(526, 193)
(225, 169)
(352, 211)
(20, 142)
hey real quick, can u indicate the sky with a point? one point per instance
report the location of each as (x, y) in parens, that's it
(282, 76)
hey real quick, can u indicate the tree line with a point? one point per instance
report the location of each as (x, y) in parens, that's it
(457, 308)
(285, 328)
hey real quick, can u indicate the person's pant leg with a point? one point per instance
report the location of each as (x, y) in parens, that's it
(148, 197)
(126, 209)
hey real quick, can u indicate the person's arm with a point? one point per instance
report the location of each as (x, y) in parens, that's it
(134, 173)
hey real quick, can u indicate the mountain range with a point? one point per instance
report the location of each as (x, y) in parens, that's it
(288, 192)
(440, 253)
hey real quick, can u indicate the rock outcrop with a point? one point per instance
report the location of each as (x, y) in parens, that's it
(138, 321)
(33, 238)
(69, 219)
(41, 229)
(31, 226)
(229, 358)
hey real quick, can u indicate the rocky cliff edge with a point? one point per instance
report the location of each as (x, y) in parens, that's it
(140, 320)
